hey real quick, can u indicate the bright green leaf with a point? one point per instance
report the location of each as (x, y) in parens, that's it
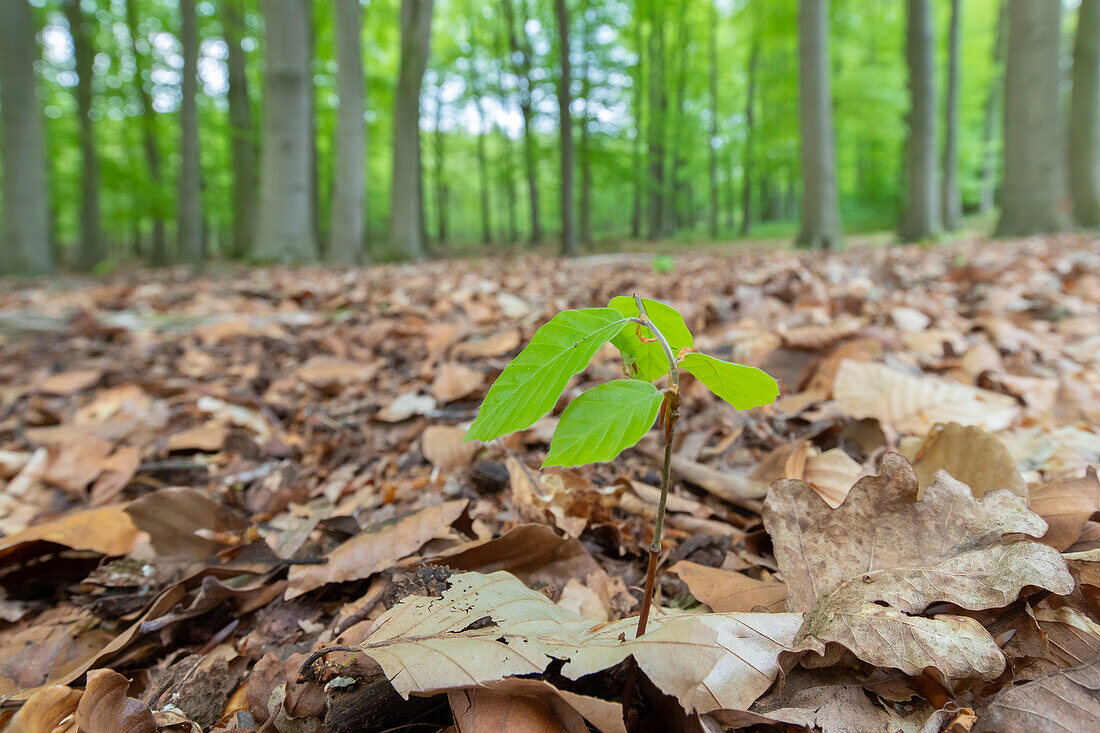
(647, 360)
(528, 387)
(742, 386)
(603, 422)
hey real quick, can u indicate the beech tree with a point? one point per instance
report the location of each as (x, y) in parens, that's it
(243, 146)
(921, 219)
(349, 193)
(91, 250)
(189, 218)
(565, 126)
(1084, 127)
(951, 203)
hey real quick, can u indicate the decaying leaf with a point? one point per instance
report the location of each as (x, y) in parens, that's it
(1067, 700)
(44, 711)
(1066, 505)
(490, 627)
(729, 590)
(516, 704)
(970, 455)
(914, 404)
(108, 530)
(443, 447)
(105, 708)
(455, 381)
(864, 572)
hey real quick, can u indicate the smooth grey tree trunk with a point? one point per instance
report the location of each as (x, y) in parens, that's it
(1033, 156)
(1084, 126)
(189, 212)
(506, 143)
(565, 125)
(750, 137)
(285, 231)
(159, 250)
(922, 219)
(349, 188)
(407, 205)
(91, 251)
(584, 147)
(484, 127)
(243, 146)
(439, 172)
(637, 107)
(712, 150)
(24, 220)
(993, 113)
(820, 211)
(951, 203)
(521, 55)
(658, 111)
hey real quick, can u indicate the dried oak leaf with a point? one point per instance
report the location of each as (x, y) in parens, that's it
(865, 571)
(105, 708)
(1067, 700)
(489, 627)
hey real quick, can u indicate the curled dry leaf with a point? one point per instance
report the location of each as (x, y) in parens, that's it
(970, 455)
(66, 383)
(44, 711)
(728, 590)
(442, 446)
(864, 572)
(495, 706)
(831, 474)
(490, 627)
(1066, 700)
(455, 381)
(1066, 504)
(205, 438)
(329, 373)
(914, 404)
(183, 522)
(108, 530)
(105, 708)
(375, 549)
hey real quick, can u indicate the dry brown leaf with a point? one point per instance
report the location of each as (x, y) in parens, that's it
(375, 549)
(866, 570)
(407, 405)
(1067, 700)
(105, 708)
(67, 383)
(478, 711)
(108, 530)
(442, 446)
(605, 716)
(726, 590)
(330, 373)
(970, 455)
(183, 523)
(209, 438)
(76, 463)
(498, 344)
(455, 381)
(44, 711)
(705, 661)
(914, 404)
(1066, 504)
(118, 470)
(818, 337)
(831, 474)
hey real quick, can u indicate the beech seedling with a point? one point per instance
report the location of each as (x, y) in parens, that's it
(607, 419)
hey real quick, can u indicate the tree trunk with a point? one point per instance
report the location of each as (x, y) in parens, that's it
(712, 143)
(637, 105)
(992, 110)
(1084, 128)
(952, 200)
(149, 136)
(189, 214)
(24, 221)
(585, 141)
(922, 211)
(91, 250)
(407, 205)
(506, 142)
(242, 134)
(820, 214)
(658, 106)
(285, 230)
(349, 193)
(565, 124)
(439, 172)
(521, 55)
(674, 218)
(484, 126)
(750, 137)
(1032, 152)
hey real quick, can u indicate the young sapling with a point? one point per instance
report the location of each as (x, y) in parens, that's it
(607, 419)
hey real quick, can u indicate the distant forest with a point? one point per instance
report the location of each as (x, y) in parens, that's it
(301, 130)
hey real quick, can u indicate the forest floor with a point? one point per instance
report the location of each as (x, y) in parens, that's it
(205, 479)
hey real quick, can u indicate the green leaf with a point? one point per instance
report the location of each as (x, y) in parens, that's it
(603, 422)
(528, 387)
(646, 360)
(742, 386)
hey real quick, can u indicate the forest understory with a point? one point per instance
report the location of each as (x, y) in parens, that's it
(204, 480)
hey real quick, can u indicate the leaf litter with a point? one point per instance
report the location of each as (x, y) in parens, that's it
(193, 503)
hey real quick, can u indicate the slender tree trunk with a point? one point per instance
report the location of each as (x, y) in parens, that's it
(314, 157)
(521, 55)
(674, 217)
(565, 124)
(149, 135)
(712, 142)
(285, 230)
(189, 216)
(992, 113)
(638, 107)
(952, 200)
(1084, 128)
(506, 142)
(91, 249)
(658, 107)
(585, 140)
(922, 211)
(1032, 151)
(747, 163)
(439, 171)
(407, 206)
(349, 191)
(24, 220)
(242, 133)
(484, 126)
(820, 215)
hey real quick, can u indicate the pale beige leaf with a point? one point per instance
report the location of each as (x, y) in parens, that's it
(831, 474)
(442, 446)
(970, 455)
(330, 373)
(498, 344)
(914, 404)
(455, 381)
(108, 530)
(375, 549)
(66, 383)
(866, 570)
(205, 438)
(1066, 701)
(489, 627)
